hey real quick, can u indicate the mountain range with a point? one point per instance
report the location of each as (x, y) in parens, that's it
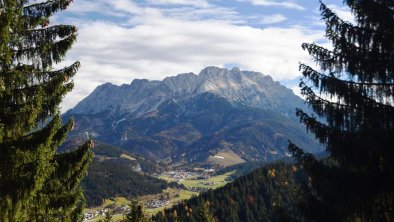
(218, 117)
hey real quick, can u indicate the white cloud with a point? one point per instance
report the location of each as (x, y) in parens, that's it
(125, 6)
(343, 12)
(286, 4)
(210, 13)
(98, 6)
(158, 44)
(272, 19)
(196, 3)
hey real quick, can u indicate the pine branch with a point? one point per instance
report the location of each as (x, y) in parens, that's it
(348, 117)
(356, 84)
(47, 53)
(305, 159)
(350, 92)
(37, 14)
(365, 52)
(367, 64)
(320, 130)
(361, 35)
(320, 54)
(379, 14)
(56, 86)
(32, 140)
(35, 76)
(44, 35)
(45, 9)
(19, 118)
(63, 187)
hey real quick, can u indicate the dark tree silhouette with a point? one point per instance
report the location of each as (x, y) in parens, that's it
(353, 92)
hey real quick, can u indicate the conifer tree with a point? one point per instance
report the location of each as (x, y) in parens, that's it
(136, 213)
(36, 182)
(204, 213)
(354, 92)
(107, 217)
(175, 216)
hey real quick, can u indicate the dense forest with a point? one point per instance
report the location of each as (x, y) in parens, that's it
(115, 177)
(107, 150)
(267, 194)
(115, 172)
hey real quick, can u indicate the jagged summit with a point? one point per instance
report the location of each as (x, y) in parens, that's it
(190, 118)
(239, 87)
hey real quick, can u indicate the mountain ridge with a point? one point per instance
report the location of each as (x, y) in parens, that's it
(142, 96)
(190, 118)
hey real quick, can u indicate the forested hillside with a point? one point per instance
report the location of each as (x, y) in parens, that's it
(270, 193)
(115, 172)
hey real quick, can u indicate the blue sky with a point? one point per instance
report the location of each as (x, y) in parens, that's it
(120, 40)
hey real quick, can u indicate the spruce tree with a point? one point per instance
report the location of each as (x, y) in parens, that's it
(204, 213)
(37, 183)
(352, 94)
(136, 213)
(107, 217)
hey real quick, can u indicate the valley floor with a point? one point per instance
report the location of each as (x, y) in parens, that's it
(193, 183)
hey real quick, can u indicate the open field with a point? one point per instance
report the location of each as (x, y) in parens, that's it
(176, 196)
(225, 158)
(115, 218)
(194, 182)
(127, 157)
(118, 201)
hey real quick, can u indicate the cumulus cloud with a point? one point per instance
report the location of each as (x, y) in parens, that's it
(153, 43)
(196, 3)
(286, 4)
(272, 19)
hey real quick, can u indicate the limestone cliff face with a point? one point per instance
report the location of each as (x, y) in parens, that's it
(189, 118)
(238, 87)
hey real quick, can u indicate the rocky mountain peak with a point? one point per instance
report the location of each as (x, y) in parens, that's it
(139, 82)
(238, 87)
(190, 118)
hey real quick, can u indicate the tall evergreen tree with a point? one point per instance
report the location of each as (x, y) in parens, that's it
(107, 217)
(36, 182)
(137, 213)
(354, 92)
(204, 213)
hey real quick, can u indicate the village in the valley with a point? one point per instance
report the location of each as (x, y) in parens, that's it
(189, 183)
